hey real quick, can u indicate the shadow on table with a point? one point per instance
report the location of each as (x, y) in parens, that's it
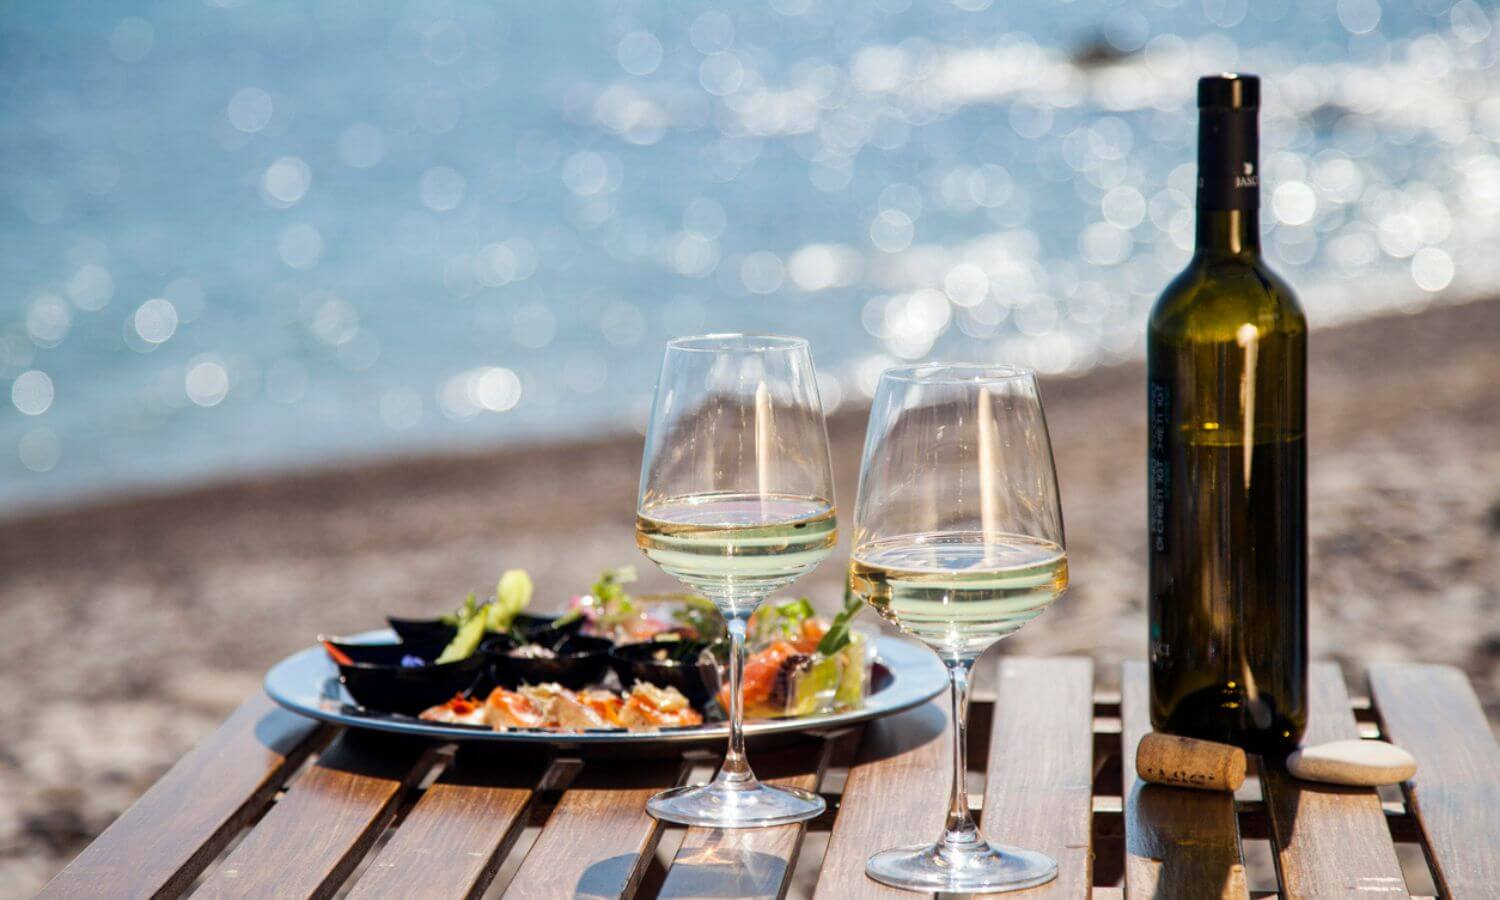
(282, 732)
(1176, 850)
(727, 866)
(607, 877)
(904, 733)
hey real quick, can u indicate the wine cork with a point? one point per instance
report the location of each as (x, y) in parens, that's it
(1191, 763)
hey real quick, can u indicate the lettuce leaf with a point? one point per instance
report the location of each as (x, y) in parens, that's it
(783, 620)
(462, 614)
(512, 595)
(613, 603)
(470, 621)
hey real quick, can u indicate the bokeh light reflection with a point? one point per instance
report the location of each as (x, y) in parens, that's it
(365, 228)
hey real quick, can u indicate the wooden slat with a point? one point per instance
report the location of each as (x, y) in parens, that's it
(1330, 841)
(1432, 712)
(162, 842)
(1038, 794)
(896, 795)
(1178, 842)
(749, 862)
(454, 839)
(314, 837)
(599, 839)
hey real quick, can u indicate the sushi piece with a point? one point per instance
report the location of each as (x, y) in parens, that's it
(574, 710)
(544, 697)
(572, 714)
(644, 707)
(606, 704)
(648, 707)
(509, 709)
(459, 710)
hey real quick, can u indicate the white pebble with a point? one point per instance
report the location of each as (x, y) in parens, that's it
(1356, 762)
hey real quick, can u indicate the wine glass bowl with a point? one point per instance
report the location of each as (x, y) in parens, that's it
(750, 544)
(958, 592)
(958, 542)
(736, 501)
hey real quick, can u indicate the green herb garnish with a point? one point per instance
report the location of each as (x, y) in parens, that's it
(783, 620)
(794, 612)
(700, 616)
(512, 594)
(462, 615)
(610, 597)
(837, 637)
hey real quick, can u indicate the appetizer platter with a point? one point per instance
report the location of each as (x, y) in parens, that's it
(610, 669)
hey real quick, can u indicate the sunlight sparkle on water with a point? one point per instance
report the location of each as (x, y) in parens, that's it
(346, 204)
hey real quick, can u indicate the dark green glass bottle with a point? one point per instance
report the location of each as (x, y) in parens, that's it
(1227, 491)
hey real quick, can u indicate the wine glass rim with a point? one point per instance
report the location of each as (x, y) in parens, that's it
(958, 373)
(736, 342)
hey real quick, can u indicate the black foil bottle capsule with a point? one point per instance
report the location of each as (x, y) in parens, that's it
(1227, 489)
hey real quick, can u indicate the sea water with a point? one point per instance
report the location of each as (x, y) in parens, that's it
(243, 234)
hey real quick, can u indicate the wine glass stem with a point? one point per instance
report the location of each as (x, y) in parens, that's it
(960, 831)
(736, 769)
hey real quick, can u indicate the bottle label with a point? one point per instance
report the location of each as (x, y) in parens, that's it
(1159, 464)
(1228, 159)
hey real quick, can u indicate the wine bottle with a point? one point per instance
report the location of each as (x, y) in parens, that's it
(1227, 492)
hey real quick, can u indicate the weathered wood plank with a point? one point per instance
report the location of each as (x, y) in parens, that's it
(599, 839)
(1178, 842)
(896, 795)
(313, 838)
(749, 862)
(1432, 712)
(1330, 841)
(1041, 767)
(454, 839)
(163, 842)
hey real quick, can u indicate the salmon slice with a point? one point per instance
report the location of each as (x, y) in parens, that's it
(508, 709)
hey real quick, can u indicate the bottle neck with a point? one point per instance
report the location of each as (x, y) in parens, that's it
(1228, 232)
(1228, 182)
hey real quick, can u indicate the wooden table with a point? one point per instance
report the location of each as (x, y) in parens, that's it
(273, 805)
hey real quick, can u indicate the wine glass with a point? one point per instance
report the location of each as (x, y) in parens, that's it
(736, 501)
(958, 541)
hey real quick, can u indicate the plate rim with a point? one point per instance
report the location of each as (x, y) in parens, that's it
(917, 676)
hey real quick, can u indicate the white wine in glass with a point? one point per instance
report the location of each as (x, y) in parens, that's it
(736, 501)
(756, 541)
(958, 541)
(959, 592)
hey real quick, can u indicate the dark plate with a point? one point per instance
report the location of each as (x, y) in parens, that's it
(580, 662)
(668, 664)
(544, 629)
(427, 636)
(377, 680)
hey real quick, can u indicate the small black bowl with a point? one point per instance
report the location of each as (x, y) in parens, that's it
(677, 664)
(544, 630)
(580, 662)
(427, 637)
(376, 679)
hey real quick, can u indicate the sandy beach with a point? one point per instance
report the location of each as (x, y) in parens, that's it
(162, 612)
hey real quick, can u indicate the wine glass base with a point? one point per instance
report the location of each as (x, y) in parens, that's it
(717, 805)
(980, 868)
